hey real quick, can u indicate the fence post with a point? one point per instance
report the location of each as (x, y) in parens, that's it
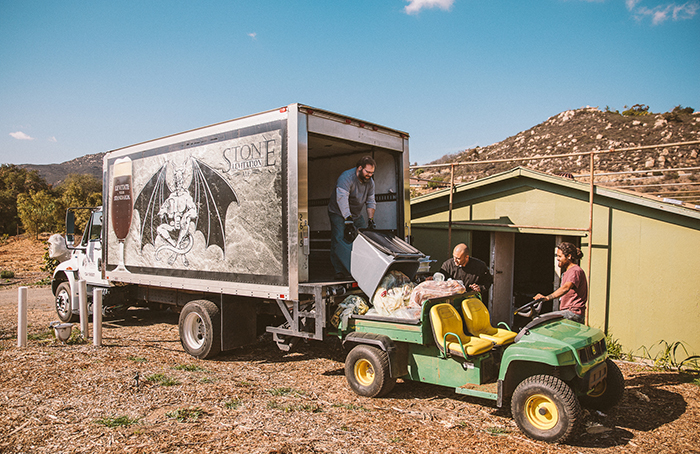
(22, 317)
(82, 296)
(97, 317)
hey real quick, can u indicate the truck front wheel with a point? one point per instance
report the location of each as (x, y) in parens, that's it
(64, 303)
(608, 392)
(367, 371)
(545, 408)
(200, 329)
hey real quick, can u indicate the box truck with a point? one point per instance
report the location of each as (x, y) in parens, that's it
(228, 226)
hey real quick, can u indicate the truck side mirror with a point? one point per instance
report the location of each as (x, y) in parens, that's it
(70, 227)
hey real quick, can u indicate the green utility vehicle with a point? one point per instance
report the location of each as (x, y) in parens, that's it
(547, 371)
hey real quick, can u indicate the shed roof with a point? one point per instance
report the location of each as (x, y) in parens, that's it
(622, 195)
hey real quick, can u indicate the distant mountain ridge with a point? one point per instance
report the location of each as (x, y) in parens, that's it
(586, 129)
(54, 174)
(571, 131)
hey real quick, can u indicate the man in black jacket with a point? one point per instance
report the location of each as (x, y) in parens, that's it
(471, 271)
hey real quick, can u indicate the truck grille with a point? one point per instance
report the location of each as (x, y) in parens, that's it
(591, 352)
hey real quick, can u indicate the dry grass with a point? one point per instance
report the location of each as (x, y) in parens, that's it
(24, 257)
(140, 393)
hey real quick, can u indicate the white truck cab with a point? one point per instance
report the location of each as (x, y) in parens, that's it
(85, 263)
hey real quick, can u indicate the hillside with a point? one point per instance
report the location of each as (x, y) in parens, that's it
(572, 131)
(586, 129)
(54, 174)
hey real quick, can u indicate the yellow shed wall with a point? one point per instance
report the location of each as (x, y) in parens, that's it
(644, 279)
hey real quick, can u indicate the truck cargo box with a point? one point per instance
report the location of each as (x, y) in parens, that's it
(240, 207)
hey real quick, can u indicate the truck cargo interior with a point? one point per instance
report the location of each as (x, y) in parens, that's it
(327, 159)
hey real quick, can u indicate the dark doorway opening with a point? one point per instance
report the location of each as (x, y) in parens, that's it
(533, 268)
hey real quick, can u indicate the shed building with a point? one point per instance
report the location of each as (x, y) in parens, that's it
(643, 287)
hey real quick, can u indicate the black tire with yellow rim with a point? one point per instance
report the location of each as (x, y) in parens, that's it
(367, 371)
(545, 408)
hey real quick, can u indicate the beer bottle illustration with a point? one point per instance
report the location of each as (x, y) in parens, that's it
(122, 204)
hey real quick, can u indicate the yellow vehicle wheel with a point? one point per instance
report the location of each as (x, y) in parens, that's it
(364, 372)
(367, 371)
(541, 412)
(545, 408)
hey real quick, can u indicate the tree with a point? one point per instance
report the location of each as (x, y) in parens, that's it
(15, 180)
(78, 190)
(81, 190)
(36, 211)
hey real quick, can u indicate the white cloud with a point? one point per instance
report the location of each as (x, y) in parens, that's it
(414, 6)
(19, 135)
(52, 139)
(662, 13)
(253, 35)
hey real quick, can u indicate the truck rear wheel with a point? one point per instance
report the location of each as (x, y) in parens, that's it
(200, 329)
(608, 392)
(367, 371)
(64, 303)
(545, 408)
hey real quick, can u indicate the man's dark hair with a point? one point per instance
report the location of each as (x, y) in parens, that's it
(364, 161)
(569, 249)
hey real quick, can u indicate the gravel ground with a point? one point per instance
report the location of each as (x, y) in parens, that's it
(59, 398)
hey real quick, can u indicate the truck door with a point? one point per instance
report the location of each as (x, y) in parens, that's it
(92, 242)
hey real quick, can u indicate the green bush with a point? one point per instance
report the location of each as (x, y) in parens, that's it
(49, 263)
(683, 110)
(7, 274)
(637, 110)
(614, 347)
(668, 356)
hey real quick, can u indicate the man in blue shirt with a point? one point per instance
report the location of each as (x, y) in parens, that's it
(353, 190)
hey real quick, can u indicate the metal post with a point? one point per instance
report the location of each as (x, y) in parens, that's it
(22, 317)
(97, 317)
(449, 221)
(82, 296)
(590, 235)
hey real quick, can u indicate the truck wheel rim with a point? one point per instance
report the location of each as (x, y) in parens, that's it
(62, 300)
(364, 372)
(541, 412)
(194, 330)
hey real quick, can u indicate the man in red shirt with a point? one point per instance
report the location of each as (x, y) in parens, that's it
(574, 287)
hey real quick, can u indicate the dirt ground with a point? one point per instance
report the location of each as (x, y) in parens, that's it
(24, 257)
(62, 398)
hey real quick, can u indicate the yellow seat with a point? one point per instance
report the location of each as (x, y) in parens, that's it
(478, 321)
(449, 335)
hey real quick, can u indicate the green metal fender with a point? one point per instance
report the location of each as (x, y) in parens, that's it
(556, 343)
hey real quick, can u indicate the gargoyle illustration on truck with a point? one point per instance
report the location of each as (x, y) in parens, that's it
(169, 214)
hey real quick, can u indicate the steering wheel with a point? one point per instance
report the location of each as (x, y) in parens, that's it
(534, 307)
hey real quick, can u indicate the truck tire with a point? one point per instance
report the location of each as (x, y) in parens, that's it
(545, 408)
(200, 329)
(64, 304)
(367, 371)
(608, 392)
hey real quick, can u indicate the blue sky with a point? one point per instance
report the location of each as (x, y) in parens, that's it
(81, 77)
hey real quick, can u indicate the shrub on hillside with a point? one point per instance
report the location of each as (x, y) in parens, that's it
(637, 110)
(678, 113)
(683, 110)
